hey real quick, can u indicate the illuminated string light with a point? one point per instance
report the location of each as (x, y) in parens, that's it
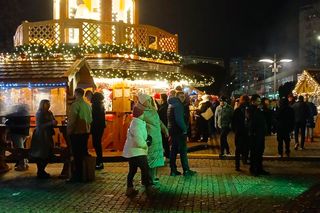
(32, 85)
(72, 51)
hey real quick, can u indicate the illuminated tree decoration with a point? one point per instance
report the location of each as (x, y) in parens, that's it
(71, 51)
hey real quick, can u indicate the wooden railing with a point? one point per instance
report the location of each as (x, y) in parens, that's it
(91, 32)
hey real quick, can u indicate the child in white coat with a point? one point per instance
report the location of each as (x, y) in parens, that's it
(136, 150)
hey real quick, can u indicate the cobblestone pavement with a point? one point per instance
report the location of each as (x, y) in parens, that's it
(292, 187)
(212, 148)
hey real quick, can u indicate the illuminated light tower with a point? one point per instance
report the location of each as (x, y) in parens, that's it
(275, 68)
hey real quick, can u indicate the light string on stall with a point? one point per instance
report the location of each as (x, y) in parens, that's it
(71, 51)
(308, 79)
(192, 79)
(32, 85)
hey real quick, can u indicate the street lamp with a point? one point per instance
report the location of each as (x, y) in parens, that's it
(275, 68)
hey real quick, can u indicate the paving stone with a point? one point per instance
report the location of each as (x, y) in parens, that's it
(216, 188)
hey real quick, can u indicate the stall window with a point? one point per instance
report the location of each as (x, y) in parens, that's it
(84, 9)
(10, 97)
(122, 10)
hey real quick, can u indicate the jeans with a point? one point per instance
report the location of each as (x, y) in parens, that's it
(96, 141)
(79, 151)
(302, 127)
(41, 165)
(224, 140)
(179, 145)
(18, 143)
(242, 148)
(135, 163)
(166, 146)
(256, 153)
(283, 137)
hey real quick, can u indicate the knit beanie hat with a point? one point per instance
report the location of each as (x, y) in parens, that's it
(143, 98)
(137, 112)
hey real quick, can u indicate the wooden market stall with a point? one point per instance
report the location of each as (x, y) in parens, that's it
(309, 85)
(93, 44)
(28, 82)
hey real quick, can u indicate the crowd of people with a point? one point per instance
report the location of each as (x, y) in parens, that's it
(251, 119)
(160, 129)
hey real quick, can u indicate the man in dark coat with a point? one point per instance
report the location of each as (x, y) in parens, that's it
(162, 111)
(284, 126)
(178, 132)
(240, 128)
(313, 111)
(301, 113)
(257, 129)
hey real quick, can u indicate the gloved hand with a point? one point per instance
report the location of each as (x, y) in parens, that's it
(149, 140)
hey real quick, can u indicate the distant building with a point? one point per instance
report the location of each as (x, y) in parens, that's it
(251, 76)
(245, 73)
(204, 60)
(309, 32)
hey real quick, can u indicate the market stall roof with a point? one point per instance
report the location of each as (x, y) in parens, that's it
(130, 64)
(134, 69)
(46, 71)
(34, 71)
(308, 83)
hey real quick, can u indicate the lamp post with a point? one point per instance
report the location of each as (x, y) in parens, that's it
(275, 68)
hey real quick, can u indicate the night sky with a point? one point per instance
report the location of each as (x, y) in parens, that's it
(212, 28)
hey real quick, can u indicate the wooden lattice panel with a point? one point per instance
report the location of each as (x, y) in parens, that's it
(108, 34)
(136, 36)
(167, 43)
(91, 33)
(47, 34)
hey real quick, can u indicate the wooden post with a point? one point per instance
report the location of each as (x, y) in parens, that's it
(106, 10)
(106, 17)
(25, 32)
(64, 9)
(136, 12)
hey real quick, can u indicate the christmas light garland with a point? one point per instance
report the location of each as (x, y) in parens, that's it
(310, 81)
(71, 51)
(32, 85)
(192, 79)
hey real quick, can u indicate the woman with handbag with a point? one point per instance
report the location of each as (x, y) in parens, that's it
(205, 115)
(42, 141)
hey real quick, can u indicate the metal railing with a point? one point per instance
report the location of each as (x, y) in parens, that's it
(91, 32)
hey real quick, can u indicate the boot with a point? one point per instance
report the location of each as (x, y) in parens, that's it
(130, 192)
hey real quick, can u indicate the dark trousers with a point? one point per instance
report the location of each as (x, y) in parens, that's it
(96, 141)
(224, 140)
(179, 145)
(41, 165)
(203, 128)
(135, 163)
(283, 137)
(79, 151)
(241, 143)
(166, 146)
(256, 154)
(302, 127)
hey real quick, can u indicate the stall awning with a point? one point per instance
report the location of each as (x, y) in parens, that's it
(35, 71)
(45, 73)
(131, 65)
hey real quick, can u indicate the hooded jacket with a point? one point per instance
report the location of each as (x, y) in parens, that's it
(176, 121)
(136, 144)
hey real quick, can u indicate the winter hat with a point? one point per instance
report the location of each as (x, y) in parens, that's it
(143, 98)
(137, 112)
